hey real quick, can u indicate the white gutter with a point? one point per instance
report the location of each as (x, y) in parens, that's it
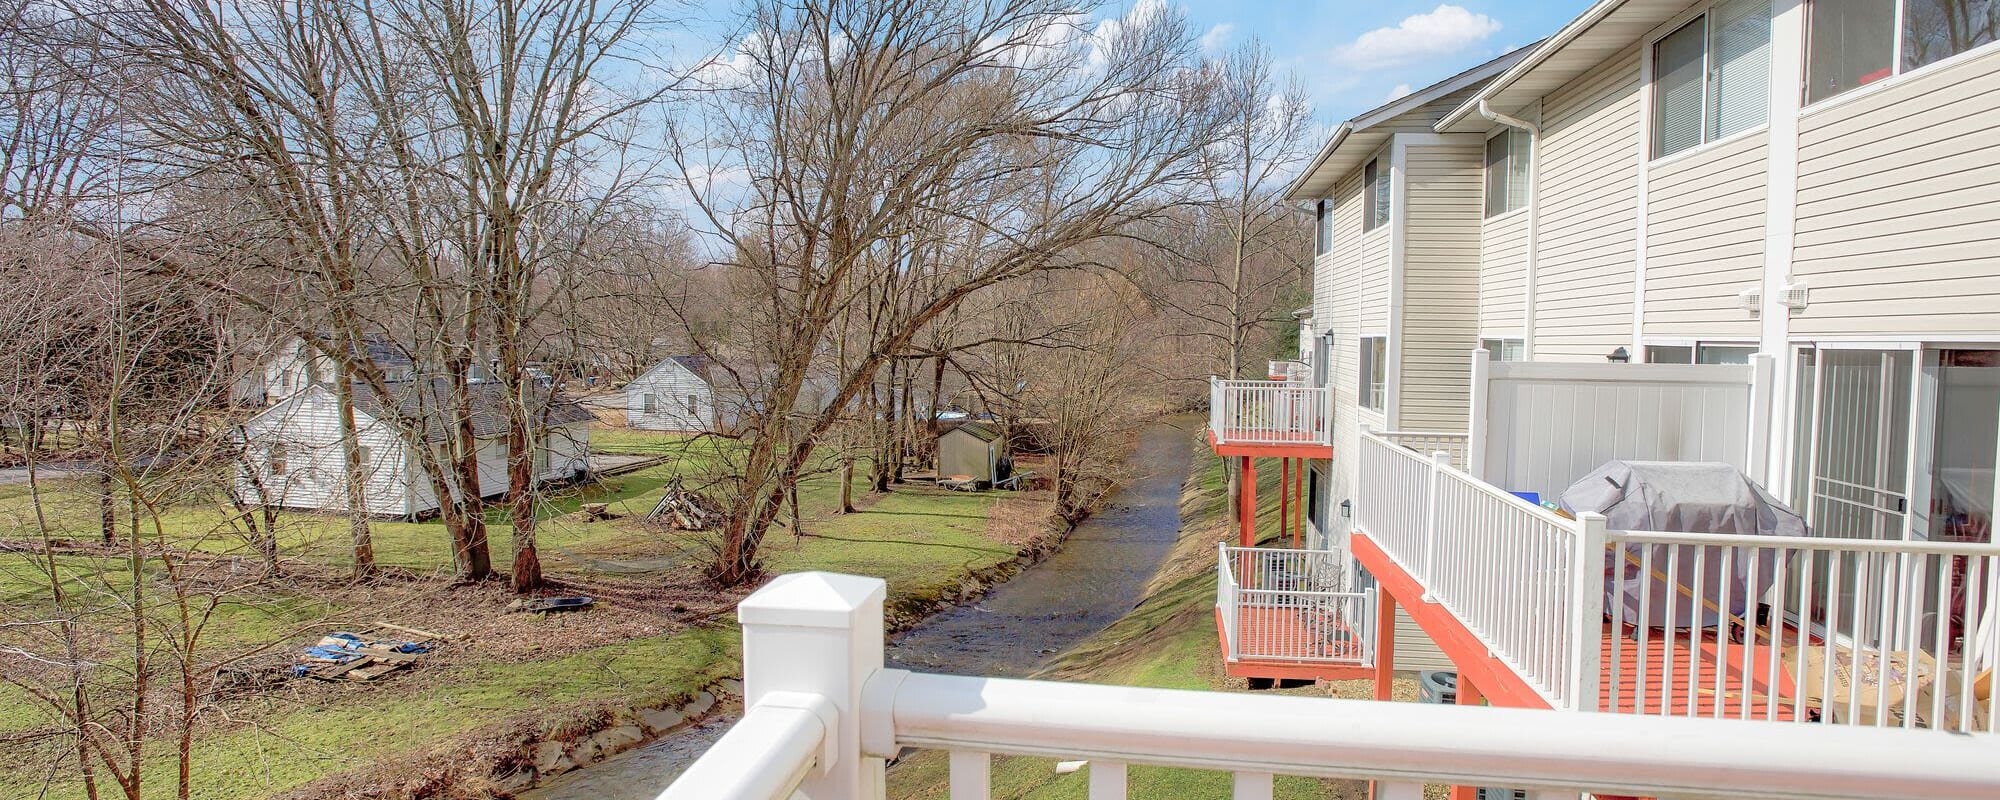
(1534, 220)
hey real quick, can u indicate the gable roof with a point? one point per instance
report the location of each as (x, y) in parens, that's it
(423, 403)
(979, 430)
(697, 365)
(1358, 138)
(1602, 31)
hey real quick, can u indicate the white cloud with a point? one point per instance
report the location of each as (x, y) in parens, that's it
(1401, 91)
(1442, 31)
(1212, 40)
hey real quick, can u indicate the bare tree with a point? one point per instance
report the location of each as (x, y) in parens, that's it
(946, 147)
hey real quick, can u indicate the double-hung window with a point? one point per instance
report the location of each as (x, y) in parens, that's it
(1700, 353)
(1323, 227)
(1507, 165)
(649, 403)
(1374, 372)
(1376, 189)
(1712, 76)
(1851, 43)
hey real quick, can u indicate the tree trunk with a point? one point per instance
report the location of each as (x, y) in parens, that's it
(847, 484)
(107, 511)
(356, 474)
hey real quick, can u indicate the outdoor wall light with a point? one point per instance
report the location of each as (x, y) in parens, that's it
(1619, 356)
(1347, 509)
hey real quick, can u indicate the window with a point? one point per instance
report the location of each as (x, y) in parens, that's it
(275, 459)
(1700, 353)
(691, 404)
(1323, 228)
(1853, 43)
(1377, 191)
(1507, 165)
(649, 403)
(1374, 372)
(1504, 349)
(1711, 77)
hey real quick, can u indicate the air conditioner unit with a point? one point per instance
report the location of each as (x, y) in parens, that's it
(1752, 300)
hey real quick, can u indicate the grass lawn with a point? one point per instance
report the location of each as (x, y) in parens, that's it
(656, 635)
(1167, 642)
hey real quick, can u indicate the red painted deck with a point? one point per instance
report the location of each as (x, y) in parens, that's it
(1742, 694)
(1310, 654)
(1284, 446)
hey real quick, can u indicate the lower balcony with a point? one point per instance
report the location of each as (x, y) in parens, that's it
(822, 715)
(1271, 419)
(1292, 615)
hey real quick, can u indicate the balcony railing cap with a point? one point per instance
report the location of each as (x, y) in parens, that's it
(812, 600)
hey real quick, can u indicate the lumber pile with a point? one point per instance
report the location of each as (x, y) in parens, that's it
(685, 509)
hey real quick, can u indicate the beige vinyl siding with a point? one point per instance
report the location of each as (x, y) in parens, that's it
(1588, 189)
(1705, 239)
(1440, 283)
(1503, 274)
(1899, 207)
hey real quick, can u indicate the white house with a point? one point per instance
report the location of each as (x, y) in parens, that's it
(677, 394)
(295, 459)
(293, 365)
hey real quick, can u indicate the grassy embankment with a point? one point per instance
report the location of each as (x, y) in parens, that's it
(656, 636)
(1168, 641)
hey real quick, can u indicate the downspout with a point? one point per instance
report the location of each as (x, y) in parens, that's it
(1534, 221)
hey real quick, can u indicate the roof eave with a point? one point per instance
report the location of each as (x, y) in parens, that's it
(1459, 120)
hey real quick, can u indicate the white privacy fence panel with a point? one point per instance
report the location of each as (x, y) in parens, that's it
(827, 715)
(1294, 605)
(1864, 632)
(1270, 412)
(1540, 426)
(1514, 574)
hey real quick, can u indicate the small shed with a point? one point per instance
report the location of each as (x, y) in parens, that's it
(973, 448)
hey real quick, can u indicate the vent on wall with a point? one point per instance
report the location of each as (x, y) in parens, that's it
(1752, 300)
(1796, 297)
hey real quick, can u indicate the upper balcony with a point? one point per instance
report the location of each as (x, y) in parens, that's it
(1274, 419)
(1542, 609)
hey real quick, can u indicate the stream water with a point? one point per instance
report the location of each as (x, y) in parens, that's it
(1092, 581)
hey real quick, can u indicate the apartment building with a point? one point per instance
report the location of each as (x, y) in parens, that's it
(1759, 232)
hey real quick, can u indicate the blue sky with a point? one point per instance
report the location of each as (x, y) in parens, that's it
(1352, 56)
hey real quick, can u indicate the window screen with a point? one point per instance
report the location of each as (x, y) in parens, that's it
(1849, 43)
(1677, 89)
(1504, 349)
(1739, 48)
(1507, 171)
(1374, 371)
(1669, 354)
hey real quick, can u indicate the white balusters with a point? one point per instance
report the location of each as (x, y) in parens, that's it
(1270, 412)
(971, 775)
(1107, 779)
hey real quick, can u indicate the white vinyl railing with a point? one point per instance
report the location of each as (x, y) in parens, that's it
(1518, 576)
(822, 715)
(1293, 605)
(1865, 632)
(1270, 412)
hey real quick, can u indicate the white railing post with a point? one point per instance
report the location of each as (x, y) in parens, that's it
(1216, 412)
(1475, 423)
(1439, 460)
(1586, 623)
(1763, 368)
(819, 633)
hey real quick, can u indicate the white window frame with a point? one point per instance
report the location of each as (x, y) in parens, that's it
(1897, 74)
(649, 403)
(1486, 180)
(277, 459)
(1694, 346)
(1497, 353)
(1368, 394)
(1323, 227)
(1650, 74)
(1370, 194)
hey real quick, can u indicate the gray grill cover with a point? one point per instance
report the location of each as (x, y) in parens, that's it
(1683, 497)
